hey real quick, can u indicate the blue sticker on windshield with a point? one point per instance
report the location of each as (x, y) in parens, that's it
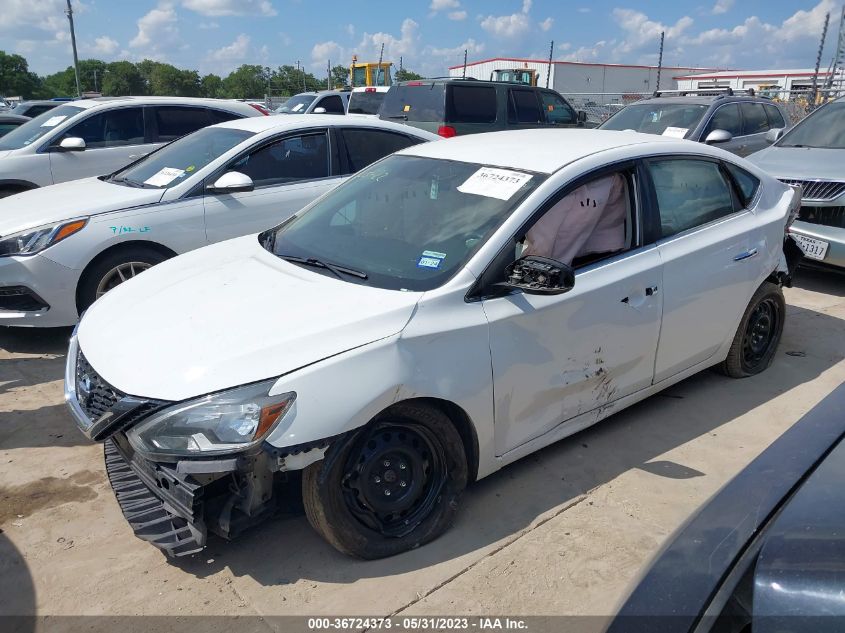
(428, 262)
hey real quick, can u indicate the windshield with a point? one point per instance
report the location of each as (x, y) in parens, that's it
(33, 130)
(406, 223)
(365, 102)
(174, 163)
(297, 104)
(824, 128)
(654, 118)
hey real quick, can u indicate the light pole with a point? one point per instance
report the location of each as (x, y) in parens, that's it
(73, 44)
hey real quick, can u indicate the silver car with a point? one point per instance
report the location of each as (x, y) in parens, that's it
(812, 154)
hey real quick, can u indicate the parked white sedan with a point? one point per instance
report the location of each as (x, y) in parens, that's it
(394, 340)
(64, 246)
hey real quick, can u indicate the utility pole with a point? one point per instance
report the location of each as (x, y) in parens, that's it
(549, 69)
(660, 59)
(73, 44)
(378, 68)
(329, 76)
(465, 64)
(95, 80)
(814, 94)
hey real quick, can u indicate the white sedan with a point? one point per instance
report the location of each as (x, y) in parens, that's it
(431, 320)
(65, 245)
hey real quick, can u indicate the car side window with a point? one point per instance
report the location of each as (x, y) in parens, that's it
(725, 118)
(221, 116)
(471, 104)
(587, 223)
(557, 111)
(333, 104)
(112, 128)
(523, 107)
(176, 121)
(291, 159)
(690, 193)
(775, 117)
(746, 183)
(363, 147)
(754, 120)
(34, 111)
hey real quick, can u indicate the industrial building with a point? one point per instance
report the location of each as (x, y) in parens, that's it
(760, 80)
(581, 77)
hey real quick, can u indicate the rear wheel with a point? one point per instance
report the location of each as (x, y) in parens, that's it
(756, 340)
(392, 487)
(112, 270)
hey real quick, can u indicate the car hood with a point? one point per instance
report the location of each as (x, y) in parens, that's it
(226, 315)
(67, 200)
(801, 163)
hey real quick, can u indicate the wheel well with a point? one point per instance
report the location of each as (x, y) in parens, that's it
(462, 423)
(17, 186)
(150, 246)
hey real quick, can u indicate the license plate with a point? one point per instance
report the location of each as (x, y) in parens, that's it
(813, 248)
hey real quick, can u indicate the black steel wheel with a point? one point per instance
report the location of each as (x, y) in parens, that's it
(756, 340)
(391, 487)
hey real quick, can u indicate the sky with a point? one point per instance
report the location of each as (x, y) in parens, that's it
(219, 35)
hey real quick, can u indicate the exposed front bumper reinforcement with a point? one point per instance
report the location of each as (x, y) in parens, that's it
(151, 517)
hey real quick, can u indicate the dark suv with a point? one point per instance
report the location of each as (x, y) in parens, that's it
(467, 106)
(737, 123)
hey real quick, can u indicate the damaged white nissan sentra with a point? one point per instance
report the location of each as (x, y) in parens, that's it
(447, 311)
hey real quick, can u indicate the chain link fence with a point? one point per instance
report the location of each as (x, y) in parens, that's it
(600, 106)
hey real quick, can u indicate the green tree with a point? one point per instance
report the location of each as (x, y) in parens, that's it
(16, 78)
(247, 82)
(63, 83)
(340, 76)
(212, 86)
(406, 75)
(121, 79)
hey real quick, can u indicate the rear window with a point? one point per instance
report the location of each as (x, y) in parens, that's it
(471, 104)
(176, 121)
(365, 102)
(754, 120)
(775, 117)
(524, 107)
(415, 101)
(747, 183)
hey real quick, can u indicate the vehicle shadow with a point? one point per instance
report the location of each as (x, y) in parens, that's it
(828, 282)
(17, 608)
(499, 507)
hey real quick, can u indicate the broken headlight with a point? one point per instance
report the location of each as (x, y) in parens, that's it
(225, 422)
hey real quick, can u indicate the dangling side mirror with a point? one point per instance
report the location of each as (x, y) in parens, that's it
(539, 276)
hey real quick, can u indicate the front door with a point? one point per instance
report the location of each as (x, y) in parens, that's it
(288, 173)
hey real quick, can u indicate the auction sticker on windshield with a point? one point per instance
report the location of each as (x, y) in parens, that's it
(494, 183)
(676, 132)
(53, 121)
(164, 177)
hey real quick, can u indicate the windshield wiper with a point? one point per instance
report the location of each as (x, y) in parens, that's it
(338, 271)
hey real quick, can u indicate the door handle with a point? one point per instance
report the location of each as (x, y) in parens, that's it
(746, 255)
(651, 291)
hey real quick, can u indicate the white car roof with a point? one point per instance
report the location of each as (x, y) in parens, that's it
(282, 122)
(539, 150)
(231, 104)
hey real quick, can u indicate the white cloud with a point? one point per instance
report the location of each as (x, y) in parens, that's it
(236, 51)
(350, 30)
(457, 52)
(230, 7)
(322, 52)
(157, 31)
(641, 33)
(457, 16)
(406, 44)
(585, 53)
(722, 6)
(444, 5)
(104, 45)
(509, 26)
(208, 26)
(546, 24)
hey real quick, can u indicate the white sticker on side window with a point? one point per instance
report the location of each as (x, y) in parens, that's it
(297, 107)
(676, 132)
(53, 121)
(164, 177)
(494, 183)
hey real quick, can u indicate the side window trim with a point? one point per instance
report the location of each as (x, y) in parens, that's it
(656, 208)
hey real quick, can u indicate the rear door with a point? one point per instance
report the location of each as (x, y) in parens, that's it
(709, 246)
(288, 171)
(359, 147)
(113, 138)
(524, 109)
(471, 109)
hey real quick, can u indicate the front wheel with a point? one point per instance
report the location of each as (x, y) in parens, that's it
(112, 270)
(392, 487)
(756, 340)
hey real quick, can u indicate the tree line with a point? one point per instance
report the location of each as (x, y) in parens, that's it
(148, 77)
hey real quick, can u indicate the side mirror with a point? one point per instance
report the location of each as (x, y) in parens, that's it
(319, 110)
(540, 276)
(774, 134)
(582, 116)
(72, 144)
(232, 182)
(718, 136)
